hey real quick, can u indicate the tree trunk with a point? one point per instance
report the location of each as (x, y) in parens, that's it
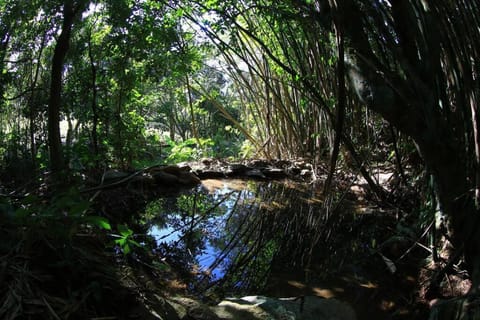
(70, 10)
(411, 103)
(32, 103)
(54, 140)
(192, 111)
(4, 41)
(94, 100)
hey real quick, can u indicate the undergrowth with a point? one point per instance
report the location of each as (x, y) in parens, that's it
(54, 262)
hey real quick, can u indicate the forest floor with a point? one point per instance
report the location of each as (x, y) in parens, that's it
(57, 267)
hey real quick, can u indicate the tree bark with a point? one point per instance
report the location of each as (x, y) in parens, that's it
(95, 115)
(57, 162)
(31, 103)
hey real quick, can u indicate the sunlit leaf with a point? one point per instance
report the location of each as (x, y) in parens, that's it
(98, 221)
(124, 230)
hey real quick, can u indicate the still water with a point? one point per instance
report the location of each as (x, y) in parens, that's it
(234, 233)
(282, 238)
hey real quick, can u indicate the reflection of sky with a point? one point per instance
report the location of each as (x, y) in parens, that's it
(167, 234)
(212, 229)
(205, 259)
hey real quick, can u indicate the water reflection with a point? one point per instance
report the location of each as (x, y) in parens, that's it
(283, 239)
(233, 232)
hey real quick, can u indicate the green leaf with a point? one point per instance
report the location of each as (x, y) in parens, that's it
(124, 230)
(98, 221)
(135, 243)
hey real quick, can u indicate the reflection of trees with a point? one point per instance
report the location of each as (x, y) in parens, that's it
(190, 218)
(251, 232)
(240, 245)
(280, 224)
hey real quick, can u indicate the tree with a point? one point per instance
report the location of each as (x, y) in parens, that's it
(405, 67)
(28, 30)
(71, 11)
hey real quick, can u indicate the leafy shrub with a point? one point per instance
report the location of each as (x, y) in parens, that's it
(54, 263)
(247, 149)
(189, 150)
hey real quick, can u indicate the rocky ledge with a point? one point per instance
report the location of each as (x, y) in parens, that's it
(253, 169)
(189, 174)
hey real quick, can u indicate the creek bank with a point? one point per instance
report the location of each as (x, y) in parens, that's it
(252, 169)
(165, 179)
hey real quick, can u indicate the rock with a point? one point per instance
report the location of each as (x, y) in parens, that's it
(358, 191)
(201, 313)
(303, 164)
(236, 169)
(190, 309)
(304, 308)
(294, 170)
(239, 309)
(183, 166)
(274, 173)
(173, 169)
(306, 173)
(164, 178)
(188, 179)
(210, 174)
(181, 305)
(206, 161)
(263, 308)
(256, 169)
(259, 163)
(174, 176)
(282, 163)
(255, 173)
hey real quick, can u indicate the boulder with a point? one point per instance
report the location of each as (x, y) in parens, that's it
(255, 173)
(302, 308)
(188, 179)
(264, 308)
(171, 176)
(210, 174)
(274, 173)
(235, 169)
(259, 163)
(164, 178)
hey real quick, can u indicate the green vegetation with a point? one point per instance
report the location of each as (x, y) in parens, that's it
(89, 86)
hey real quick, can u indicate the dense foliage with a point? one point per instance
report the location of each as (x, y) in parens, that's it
(90, 85)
